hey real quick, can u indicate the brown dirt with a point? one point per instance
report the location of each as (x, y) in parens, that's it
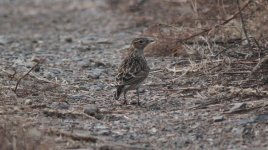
(206, 99)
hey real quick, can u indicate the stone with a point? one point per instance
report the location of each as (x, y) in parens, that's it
(237, 107)
(3, 40)
(60, 105)
(28, 102)
(95, 73)
(153, 130)
(68, 39)
(91, 110)
(218, 118)
(77, 97)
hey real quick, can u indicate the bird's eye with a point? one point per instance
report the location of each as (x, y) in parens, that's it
(140, 41)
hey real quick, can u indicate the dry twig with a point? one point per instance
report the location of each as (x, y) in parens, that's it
(93, 139)
(262, 65)
(217, 25)
(245, 110)
(238, 72)
(78, 137)
(18, 82)
(184, 89)
(243, 22)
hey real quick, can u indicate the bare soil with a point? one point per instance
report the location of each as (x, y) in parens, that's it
(206, 98)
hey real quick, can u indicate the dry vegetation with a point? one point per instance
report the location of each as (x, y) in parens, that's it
(207, 88)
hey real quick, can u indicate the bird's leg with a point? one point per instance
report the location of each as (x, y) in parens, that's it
(125, 99)
(138, 94)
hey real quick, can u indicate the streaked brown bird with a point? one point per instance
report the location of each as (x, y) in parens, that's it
(133, 70)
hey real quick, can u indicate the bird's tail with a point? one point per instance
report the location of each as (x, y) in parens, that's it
(118, 92)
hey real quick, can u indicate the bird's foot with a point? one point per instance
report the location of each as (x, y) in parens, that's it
(125, 102)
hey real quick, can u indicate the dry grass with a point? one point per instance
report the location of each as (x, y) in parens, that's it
(185, 18)
(206, 75)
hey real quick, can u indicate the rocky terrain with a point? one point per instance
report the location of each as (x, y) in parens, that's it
(58, 62)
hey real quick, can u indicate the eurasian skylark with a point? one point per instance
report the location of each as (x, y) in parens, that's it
(133, 70)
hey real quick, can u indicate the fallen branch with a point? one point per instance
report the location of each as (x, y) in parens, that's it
(18, 82)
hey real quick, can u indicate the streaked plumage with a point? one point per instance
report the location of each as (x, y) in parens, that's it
(133, 70)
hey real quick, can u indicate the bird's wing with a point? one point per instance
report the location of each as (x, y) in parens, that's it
(132, 78)
(132, 70)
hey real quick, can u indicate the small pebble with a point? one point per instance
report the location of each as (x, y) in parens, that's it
(60, 105)
(28, 102)
(3, 40)
(237, 107)
(99, 116)
(99, 64)
(153, 130)
(104, 132)
(91, 110)
(77, 97)
(218, 118)
(68, 39)
(103, 41)
(95, 73)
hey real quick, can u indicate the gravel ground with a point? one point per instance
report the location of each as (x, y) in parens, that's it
(66, 101)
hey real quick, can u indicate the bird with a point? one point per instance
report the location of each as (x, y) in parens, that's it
(133, 70)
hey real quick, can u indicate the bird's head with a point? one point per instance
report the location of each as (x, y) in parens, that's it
(141, 43)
